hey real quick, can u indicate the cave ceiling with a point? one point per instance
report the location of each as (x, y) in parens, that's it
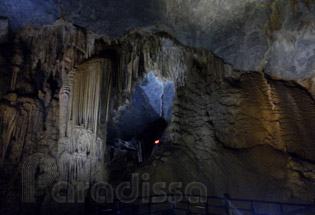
(275, 36)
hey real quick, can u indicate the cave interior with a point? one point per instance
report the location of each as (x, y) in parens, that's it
(157, 107)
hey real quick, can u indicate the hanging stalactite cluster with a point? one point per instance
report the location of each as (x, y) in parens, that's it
(81, 149)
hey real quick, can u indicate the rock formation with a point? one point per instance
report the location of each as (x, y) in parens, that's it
(238, 132)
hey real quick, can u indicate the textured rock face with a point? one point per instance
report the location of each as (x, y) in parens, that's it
(233, 130)
(31, 117)
(261, 115)
(275, 35)
(238, 132)
(237, 140)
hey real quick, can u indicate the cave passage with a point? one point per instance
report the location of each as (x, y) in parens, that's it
(134, 128)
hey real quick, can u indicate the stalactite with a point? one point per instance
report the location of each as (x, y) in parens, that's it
(86, 96)
(87, 90)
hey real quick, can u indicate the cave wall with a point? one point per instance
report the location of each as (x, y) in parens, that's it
(238, 136)
(33, 72)
(239, 132)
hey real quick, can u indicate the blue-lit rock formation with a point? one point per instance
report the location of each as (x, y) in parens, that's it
(151, 100)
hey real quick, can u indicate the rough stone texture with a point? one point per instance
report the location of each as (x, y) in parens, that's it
(234, 140)
(30, 114)
(226, 122)
(275, 35)
(238, 132)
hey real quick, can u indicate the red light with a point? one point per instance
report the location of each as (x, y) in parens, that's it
(157, 142)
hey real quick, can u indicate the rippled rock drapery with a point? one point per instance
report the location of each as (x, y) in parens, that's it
(239, 132)
(80, 147)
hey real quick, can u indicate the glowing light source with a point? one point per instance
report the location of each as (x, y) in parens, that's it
(157, 142)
